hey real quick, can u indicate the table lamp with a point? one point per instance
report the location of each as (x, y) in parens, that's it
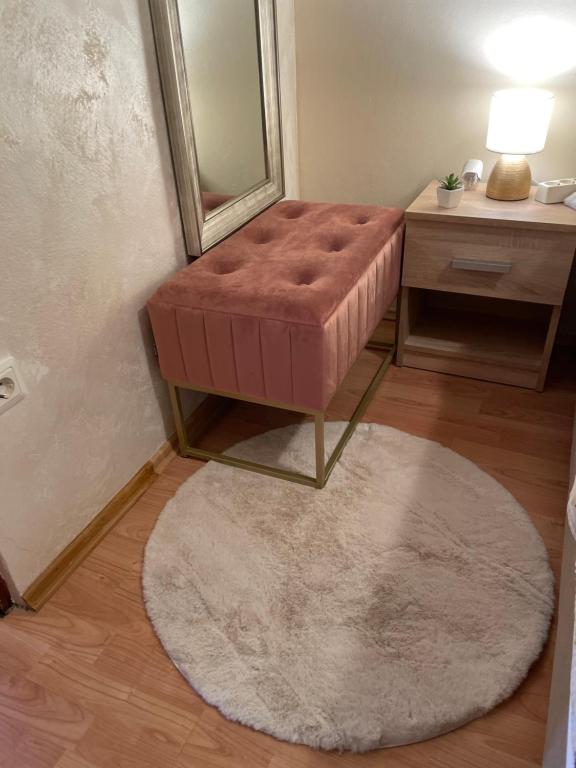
(518, 125)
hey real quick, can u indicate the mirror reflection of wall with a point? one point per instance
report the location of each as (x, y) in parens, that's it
(221, 53)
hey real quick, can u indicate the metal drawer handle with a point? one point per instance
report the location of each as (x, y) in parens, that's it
(477, 265)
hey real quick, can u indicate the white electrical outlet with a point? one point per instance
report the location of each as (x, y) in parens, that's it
(11, 386)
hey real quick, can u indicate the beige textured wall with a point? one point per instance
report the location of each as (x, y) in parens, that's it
(393, 93)
(89, 227)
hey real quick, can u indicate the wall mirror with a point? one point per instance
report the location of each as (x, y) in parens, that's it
(218, 68)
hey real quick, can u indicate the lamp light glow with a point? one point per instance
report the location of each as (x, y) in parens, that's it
(519, 120)
(518, 125)
(532, 49)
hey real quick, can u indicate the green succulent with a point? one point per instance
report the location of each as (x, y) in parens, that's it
(451, 182)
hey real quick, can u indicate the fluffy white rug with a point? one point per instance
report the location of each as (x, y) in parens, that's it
(408, 597)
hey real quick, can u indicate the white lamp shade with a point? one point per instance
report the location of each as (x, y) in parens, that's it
(519, 120)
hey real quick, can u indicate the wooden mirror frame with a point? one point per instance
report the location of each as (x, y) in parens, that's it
(203, 231)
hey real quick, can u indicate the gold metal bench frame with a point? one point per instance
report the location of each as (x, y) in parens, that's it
(323, 468)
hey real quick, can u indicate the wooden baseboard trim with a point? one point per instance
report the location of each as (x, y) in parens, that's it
(165, 454)
(44, 586)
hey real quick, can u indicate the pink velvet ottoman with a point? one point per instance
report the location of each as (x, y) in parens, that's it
(278, 312)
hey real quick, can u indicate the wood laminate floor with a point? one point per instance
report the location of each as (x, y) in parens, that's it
(85, 683)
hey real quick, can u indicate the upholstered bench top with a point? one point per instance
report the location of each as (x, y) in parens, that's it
(281, 309)
(296, 261)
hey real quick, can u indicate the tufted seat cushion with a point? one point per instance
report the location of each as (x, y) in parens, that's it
(281, 309)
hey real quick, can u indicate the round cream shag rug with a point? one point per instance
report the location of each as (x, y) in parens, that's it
(406, 598)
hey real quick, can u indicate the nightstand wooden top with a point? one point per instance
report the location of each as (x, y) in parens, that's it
(476, 208)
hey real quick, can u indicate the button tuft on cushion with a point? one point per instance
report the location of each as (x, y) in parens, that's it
(305, 279)
(225, 269)
(335, 245)
(362, 220)
(260, 237)
(293, 212)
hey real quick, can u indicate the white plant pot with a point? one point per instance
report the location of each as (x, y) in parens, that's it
(449, 198)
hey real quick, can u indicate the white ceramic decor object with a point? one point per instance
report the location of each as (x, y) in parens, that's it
(449, 198)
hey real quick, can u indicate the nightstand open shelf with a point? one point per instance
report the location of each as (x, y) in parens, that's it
(483, 285)
(483, 338)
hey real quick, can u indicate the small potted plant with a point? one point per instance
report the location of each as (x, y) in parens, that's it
(450, 191)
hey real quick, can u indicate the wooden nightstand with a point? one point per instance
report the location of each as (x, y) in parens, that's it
(483, 286)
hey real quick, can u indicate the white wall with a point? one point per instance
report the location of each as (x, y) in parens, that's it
(89, 227)
(393, 93)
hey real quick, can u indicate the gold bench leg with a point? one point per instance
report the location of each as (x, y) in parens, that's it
(176, 404)
(323, 468)
(319, 444)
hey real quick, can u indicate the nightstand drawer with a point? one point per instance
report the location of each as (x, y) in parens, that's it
(501, 262)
